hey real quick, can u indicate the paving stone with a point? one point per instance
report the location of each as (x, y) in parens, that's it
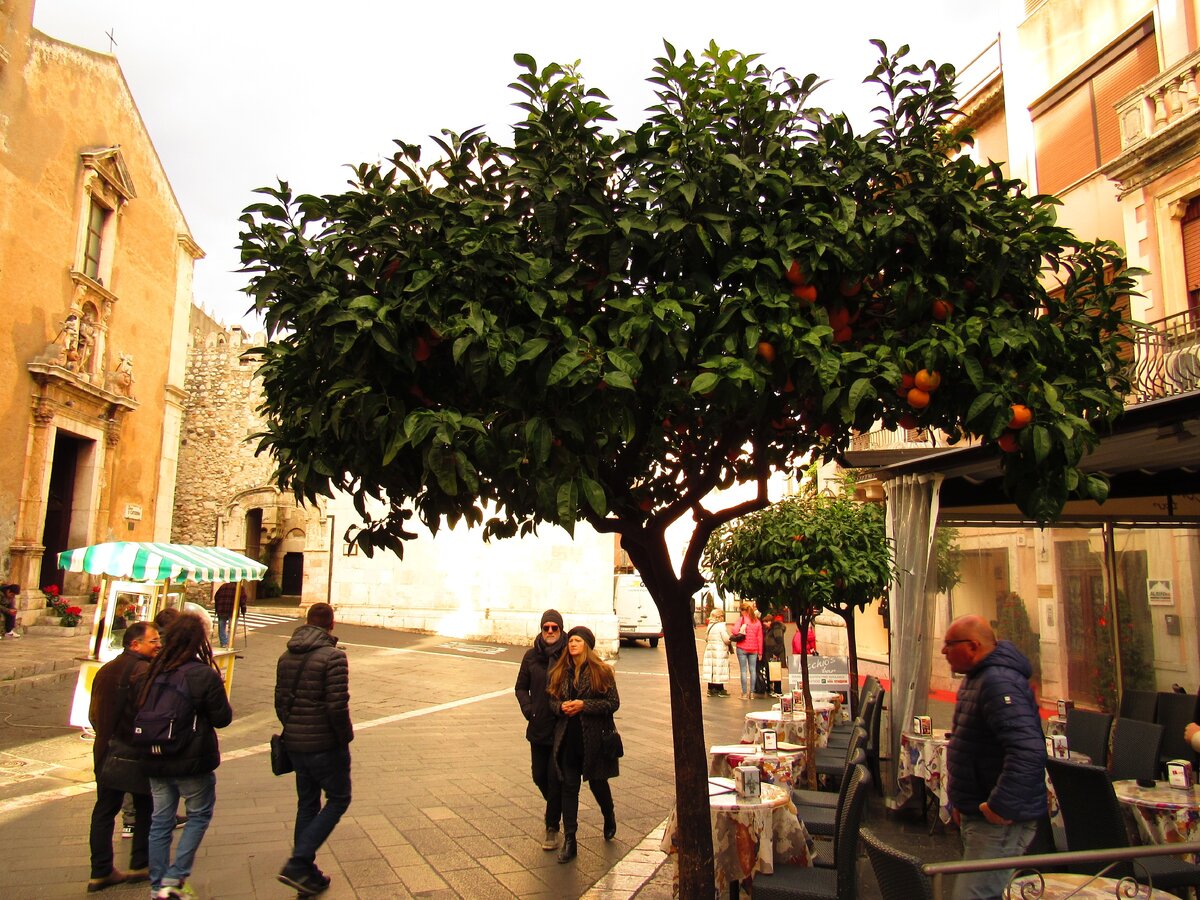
(416, 878)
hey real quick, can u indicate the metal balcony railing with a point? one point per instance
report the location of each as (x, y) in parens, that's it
(1166, 357)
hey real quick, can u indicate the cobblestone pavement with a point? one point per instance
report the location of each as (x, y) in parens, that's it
(443, 802)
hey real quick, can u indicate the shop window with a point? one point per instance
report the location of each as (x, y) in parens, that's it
(98, 217)
(1075, 126)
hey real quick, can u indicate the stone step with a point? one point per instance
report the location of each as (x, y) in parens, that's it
(40, 682)
(49, 628)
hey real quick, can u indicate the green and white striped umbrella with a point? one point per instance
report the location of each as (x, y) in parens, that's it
(156, 562)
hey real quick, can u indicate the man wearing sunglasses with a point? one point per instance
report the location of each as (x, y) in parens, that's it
(535, 706)
(997, 754)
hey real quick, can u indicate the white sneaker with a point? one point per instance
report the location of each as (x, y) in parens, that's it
(11, 634)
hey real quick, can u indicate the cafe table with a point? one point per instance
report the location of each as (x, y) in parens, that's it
(788, 728)
(784, 767)
(1061, 885)
(749, 835)
(1164, 814)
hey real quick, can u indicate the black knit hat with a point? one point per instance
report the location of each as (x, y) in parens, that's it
(552, 615)
(584, 632)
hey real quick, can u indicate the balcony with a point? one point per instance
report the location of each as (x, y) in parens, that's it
(1166, 357)
(1160, 123)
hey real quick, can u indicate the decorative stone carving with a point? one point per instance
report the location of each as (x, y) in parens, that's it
(121, 378)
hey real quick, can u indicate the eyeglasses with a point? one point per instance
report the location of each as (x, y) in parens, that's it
(550, 629)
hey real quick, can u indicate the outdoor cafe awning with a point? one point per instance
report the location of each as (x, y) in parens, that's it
(156, 562)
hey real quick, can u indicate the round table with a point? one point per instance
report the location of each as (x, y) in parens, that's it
(788, 729)
(749, 836)
(1164, 814)
(1078, 887)
(785, 767)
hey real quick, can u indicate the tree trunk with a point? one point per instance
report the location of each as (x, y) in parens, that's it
(852, 650)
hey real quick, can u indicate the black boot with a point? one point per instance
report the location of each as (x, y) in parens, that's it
(567, 851)
(610, 826)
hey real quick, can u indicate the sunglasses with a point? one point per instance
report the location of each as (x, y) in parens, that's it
(550, 629)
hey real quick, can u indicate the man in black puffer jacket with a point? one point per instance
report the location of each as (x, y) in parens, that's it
(535, 707)
(312, 700)
(997, 753)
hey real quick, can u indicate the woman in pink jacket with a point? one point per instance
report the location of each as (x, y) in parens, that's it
(749, 648)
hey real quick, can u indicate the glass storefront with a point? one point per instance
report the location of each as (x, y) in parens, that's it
(1095, 607)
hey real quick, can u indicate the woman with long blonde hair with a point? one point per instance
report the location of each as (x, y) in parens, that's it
(583, 697)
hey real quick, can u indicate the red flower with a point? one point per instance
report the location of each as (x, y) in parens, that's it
(96, 589)
(52, 590)
(74, 611)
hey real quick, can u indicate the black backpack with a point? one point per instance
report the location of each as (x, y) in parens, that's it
(166, 722)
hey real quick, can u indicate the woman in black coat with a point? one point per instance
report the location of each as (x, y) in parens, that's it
(532, 679)
(583, 695)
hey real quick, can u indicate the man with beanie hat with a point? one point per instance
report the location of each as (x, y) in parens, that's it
(535, 706)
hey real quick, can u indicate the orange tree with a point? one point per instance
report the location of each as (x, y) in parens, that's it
(809, 552)
(582, 323)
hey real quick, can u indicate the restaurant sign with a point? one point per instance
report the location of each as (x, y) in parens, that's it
(825, 673)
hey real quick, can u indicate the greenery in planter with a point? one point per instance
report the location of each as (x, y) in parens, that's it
(267, 588)
(1012, 624)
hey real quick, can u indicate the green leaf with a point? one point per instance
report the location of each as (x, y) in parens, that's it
(564, 366)
(568, 502)
(704, 382)
(594, 494)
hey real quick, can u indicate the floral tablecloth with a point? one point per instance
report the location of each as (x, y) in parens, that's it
(748, 837)
(924, 757)
(1078, 887)
(1164, 814)
(788, 729)
(785, 767)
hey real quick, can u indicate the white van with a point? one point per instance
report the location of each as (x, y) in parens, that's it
(637, 616)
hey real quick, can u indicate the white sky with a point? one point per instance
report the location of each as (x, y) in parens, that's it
(238, 94)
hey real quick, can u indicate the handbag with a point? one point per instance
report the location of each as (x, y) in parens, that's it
(122, 769)
(281, 763)
(611, 744)
(737, 638)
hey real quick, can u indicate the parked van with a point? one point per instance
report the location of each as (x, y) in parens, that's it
(637, 616)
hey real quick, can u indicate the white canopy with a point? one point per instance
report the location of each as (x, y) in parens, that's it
(156, 562)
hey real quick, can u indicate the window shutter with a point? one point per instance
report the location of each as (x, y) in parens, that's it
(1134, 68)
(1191, 245)
(1063, 135)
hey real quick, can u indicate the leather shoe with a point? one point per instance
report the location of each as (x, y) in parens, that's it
(610, 827)
(568, 850)
(136, 875)
(116, 876)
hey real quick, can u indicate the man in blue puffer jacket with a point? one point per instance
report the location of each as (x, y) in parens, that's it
(997, 753)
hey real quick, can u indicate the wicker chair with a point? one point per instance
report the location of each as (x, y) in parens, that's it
(1141, 705)
(1087, 732)
(1136, 746)
(898, 875)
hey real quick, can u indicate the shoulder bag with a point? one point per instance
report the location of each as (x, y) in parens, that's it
(122, 766)
(281, 763)
(610, 741)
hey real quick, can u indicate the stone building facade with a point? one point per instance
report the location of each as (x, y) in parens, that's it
(95, 288)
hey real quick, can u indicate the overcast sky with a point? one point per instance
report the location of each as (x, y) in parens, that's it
(238, 94)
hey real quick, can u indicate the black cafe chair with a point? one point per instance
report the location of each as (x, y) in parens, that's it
(1136, 746)
(1140, 705)
(1087, 732)
(898, 874)
(822, 820)
(808, 799)
(1092, 819)
(789, 882)
(1174, 713)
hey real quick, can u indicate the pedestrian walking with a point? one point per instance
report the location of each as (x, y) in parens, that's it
(583, 695)
(312, 701)
(182, 685)
(774, 645)
(748, 648)
(996, 759)
(532, 680)
(715, 667)
(111, 717)
(223, 603)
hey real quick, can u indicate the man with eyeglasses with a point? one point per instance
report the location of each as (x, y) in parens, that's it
(532, 679)
(997, 753)
(111, 715)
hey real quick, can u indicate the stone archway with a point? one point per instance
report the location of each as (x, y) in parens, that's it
(269, 525)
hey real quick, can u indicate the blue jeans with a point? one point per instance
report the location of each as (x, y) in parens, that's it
(199, 794)
(747, 669)
(983, 840)
(327, 771)
(223, 630)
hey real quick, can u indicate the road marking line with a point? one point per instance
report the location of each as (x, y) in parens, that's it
(651, 843)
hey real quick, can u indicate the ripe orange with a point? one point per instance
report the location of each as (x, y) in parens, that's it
(839, 317)
(926, 380)
(917, 398)
(421, 350)
(843, 334)
(825, 430)
(806, 293)
(941, 309)
(849, 287)
(795, 274)
(766, 351)
(1022, 415)
(908, 420)
(1008, 442)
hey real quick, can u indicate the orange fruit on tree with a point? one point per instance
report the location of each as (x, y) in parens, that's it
(806, 293)
(1022, 415)
(766, 351)
(941, 309)
(843, 334)
(849, 287)
(908, 420)
(917, 398)
(795, 274)
(1008, 442)
(926, 380)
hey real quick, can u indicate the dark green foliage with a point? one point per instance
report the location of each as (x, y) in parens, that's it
(1012, 624)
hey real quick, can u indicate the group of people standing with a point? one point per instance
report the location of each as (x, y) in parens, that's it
(167, 667)
(756, 643)
(568, 695)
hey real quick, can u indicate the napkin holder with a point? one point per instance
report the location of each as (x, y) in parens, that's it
(1065, 706)
(1180, 774)
(747, 782)
(922, 725)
